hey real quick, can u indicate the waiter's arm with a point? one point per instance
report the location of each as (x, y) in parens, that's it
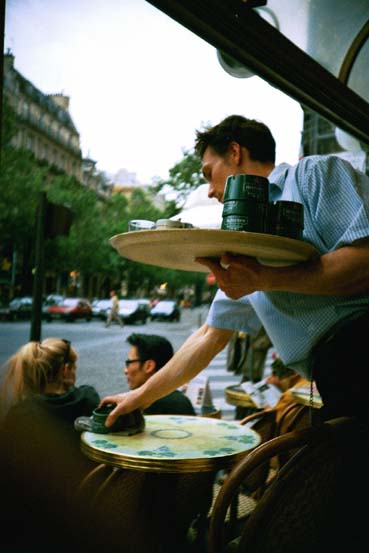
(342, 272)
(193, 356)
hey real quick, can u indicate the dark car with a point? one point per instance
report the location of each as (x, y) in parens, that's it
(70, 309)
(166, 310)
(20, 308)
(100, 308)
(133, 311)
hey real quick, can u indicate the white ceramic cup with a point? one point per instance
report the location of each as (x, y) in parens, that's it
(140, 224)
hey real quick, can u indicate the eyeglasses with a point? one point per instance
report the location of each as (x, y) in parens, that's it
(67, 350)
(129, 361)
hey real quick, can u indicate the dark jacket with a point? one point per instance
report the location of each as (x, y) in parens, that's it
(174, 403)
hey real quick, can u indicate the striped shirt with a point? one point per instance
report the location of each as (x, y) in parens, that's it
(336, 213)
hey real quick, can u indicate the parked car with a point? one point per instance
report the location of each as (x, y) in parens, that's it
(100, 308)
(133, 311)
(70, 309)
(146, 305)
(166, 310)
(20, 308)
(51, 299)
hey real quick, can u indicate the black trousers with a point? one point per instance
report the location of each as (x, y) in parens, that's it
(340, 368)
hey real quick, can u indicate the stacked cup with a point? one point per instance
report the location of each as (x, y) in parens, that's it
(287, 219)
(246, 203)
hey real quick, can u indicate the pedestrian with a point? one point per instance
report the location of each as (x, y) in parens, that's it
(113, 313)
(316, 313)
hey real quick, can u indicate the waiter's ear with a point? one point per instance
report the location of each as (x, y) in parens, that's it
(235, 153)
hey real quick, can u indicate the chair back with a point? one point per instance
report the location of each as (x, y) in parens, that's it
(264, 423)
(313, 502)
(294, 417)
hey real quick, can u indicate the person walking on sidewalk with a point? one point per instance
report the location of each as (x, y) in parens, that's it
(113, 314)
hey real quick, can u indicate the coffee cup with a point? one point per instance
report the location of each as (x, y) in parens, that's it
(140, 224)
(127, 424)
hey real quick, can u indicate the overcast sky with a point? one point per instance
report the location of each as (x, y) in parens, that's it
(139, 83)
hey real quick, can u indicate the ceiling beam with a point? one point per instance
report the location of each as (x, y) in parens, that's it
(231, 26)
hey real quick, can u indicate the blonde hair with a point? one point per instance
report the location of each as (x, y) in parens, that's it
(32, 367)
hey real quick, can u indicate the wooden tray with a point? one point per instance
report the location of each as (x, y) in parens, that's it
(178, 248)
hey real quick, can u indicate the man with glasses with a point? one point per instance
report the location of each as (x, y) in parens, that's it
(148, 353)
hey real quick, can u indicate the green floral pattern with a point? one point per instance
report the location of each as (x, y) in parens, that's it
(179, 438)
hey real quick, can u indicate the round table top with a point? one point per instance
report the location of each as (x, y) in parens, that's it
(173, 443)
(178, 248)
(236, 395)
(301, 395)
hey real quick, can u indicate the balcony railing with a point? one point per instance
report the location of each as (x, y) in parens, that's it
(56, 136)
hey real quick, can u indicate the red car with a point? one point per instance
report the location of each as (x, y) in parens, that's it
(70, 309)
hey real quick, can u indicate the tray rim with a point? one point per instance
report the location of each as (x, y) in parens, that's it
(296, 250)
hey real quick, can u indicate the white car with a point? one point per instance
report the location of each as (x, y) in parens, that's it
(133, 311)
(100, 308)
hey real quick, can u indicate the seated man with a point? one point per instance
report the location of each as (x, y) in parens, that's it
(181, 498)
(147, 355)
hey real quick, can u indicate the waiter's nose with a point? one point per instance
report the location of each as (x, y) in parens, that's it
(211, 191)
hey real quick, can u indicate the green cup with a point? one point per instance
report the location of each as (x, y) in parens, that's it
(287, 219)
(247, 187)
(128, 424)
(244, 223)
(247, 208)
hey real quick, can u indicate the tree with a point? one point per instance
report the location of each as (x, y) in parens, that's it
(87, 249)
(184, 176)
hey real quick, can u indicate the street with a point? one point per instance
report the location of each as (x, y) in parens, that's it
(101, 350)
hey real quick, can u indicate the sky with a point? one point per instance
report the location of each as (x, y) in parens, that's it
(139, 83)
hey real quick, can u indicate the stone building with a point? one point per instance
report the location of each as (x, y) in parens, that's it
(44, 125)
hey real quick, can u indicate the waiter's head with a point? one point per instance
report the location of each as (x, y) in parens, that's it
(235, 146)
(148, 354)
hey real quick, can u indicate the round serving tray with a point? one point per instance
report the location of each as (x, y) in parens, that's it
(173, 443)
(178, 248)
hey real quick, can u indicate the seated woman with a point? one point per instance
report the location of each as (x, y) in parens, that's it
(45, 373)
(41, 463)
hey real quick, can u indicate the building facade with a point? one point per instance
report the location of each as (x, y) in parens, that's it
(43, 123)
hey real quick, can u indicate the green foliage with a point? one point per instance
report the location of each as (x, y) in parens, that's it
(184, 176)
(86, 249)
(20, 183)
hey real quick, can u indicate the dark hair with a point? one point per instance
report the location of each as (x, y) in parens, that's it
(249, 133)
(280, 370)
(152, 346)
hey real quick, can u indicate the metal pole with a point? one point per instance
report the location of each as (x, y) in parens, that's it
(14, 273)
(35, 334)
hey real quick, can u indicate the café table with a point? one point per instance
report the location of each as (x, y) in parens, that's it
(236, 395)
(301, 394)
(169, 466)
(173, 444)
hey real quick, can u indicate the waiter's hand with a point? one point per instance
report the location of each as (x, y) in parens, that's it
(236, 275)
(125, 403)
